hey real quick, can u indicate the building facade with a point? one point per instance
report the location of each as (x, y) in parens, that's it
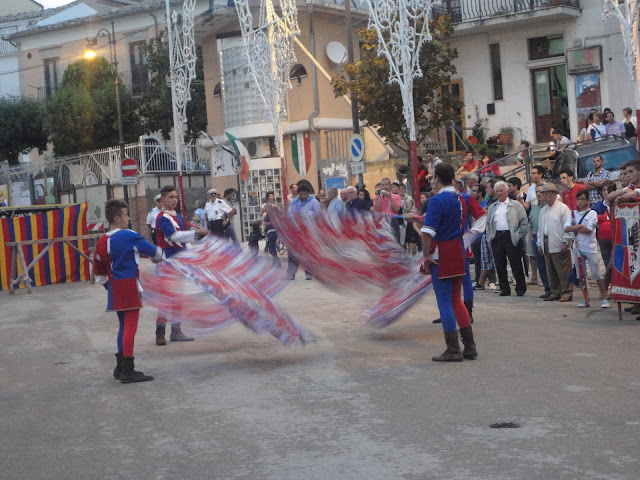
(536, 64)
(318, 126)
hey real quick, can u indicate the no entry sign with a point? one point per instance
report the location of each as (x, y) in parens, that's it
(129, 167)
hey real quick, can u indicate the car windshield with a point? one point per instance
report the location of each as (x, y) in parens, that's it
(612, 160)
(566, 160)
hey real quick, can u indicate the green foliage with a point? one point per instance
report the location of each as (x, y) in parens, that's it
(380, 103)
(82, 114)
(21, 128)
(485, 149)
(155, 106)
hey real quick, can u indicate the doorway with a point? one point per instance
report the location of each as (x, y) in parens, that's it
(455, 131)
(550, 101)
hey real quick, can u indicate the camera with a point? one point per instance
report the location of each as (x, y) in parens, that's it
(378, 192)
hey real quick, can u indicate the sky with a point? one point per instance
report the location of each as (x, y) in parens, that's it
(53, 3)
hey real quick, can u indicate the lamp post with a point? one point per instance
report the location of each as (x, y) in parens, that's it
(90, 54)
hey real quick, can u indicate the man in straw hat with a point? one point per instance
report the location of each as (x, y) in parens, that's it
(554, 243)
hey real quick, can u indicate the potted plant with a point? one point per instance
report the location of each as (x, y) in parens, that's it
(505, 137)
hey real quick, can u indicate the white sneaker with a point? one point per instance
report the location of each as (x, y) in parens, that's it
(605, 304)
(493, 286)
(581, 304)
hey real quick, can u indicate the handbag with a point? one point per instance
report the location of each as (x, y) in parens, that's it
(573, 277)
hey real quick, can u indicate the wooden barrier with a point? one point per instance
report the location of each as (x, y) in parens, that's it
(17, 255)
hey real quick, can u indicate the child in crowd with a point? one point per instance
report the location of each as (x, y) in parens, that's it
(254, 237)
(411, 237)
(585, 247)
(116, 262)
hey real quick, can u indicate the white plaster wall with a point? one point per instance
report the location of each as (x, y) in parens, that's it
(516, 109)
(9, 76)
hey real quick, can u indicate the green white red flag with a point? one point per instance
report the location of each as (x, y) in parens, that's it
(301, 152)
(242, 152)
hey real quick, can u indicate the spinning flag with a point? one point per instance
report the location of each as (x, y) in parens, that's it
(356, 252)
(214, 284)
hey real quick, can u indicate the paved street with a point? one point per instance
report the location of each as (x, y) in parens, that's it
(357, 404)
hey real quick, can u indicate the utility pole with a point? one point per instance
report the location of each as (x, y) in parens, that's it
(354, 103)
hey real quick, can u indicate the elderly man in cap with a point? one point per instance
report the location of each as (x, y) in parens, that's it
(215, 213)
(554, 242)
(151, 218)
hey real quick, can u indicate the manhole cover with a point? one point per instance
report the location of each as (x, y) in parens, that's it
(504, 425)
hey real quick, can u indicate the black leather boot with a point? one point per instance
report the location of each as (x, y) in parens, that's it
(452, 353)
(469, 352)
(469, 305)
(118, 369)
(129, 374)
(160, 331)
(177, 335)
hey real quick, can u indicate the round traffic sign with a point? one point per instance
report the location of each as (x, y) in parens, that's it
(129, 167)
(356, 147)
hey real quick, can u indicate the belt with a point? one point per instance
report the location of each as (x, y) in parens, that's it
(504, 232)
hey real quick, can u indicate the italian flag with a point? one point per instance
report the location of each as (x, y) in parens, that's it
(301, 152)
(242, 152)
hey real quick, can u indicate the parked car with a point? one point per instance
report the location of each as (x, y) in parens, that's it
(579, 157)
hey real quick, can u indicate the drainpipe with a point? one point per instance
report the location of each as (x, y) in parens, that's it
(155, 23)
(314, 82)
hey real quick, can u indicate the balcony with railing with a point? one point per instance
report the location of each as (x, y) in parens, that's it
(136, 79)
(471, 13)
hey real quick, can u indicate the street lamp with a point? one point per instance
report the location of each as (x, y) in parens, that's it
(90, 53)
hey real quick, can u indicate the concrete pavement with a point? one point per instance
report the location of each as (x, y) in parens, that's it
(357, 404)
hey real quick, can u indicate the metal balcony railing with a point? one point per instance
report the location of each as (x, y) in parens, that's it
(472, 10)
(136, 79)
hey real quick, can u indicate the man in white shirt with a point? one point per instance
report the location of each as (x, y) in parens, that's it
(553, 243)
(507, 227)
(151, 218)
(215, 212)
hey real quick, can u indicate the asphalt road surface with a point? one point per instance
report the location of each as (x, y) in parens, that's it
(357, 404)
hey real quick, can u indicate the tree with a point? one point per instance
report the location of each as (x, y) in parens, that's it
(155, 106)
(21, 128)
(82, 114)
(380, 103)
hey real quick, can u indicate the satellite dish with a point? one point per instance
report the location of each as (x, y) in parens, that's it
(337, 53)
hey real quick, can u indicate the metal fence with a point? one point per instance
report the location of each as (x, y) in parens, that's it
(103, 166)
(470, 10)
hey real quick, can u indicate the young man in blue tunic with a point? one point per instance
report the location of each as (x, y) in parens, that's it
(444, 258)
(116, 266)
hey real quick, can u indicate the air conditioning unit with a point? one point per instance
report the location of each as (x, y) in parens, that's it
(258, 147)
